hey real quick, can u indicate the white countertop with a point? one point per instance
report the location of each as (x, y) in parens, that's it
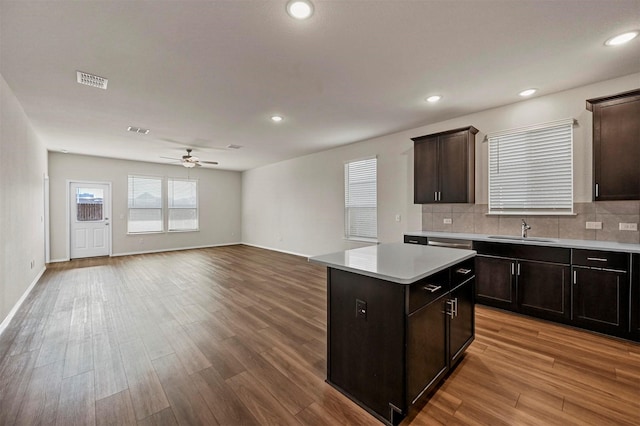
(549, 242)
(396, 262)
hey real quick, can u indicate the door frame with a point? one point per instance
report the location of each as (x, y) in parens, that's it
(68, 215)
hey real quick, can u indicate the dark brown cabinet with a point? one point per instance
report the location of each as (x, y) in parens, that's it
(635, 297)
(444, 167)
(616, 146)
(600, 291)
(389, 344)
(532, 280)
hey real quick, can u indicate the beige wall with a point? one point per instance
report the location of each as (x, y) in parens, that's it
(23, 167)
(297, 205)
(219, 203)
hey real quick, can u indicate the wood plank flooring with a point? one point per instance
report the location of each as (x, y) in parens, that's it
(236, 336)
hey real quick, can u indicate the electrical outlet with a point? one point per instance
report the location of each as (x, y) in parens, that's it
(361, 309)
(447, 221)
(397, 218)
(628, 226)
(594, 225)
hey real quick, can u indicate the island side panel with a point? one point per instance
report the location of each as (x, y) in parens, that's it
(366, 350)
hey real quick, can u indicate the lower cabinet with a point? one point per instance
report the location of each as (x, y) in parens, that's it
(389, 344)
(601, 300)
(634, 327)
(537, 283)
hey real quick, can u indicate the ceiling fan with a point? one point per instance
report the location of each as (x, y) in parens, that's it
(190, 161)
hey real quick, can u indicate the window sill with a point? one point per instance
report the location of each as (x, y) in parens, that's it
(363, 240)
(133, 234)
(526, 213)
(178, 231)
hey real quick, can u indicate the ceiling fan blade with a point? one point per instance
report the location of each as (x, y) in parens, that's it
(209, 162)
(171, 158)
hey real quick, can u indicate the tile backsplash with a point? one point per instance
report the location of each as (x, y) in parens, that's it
(472, 218)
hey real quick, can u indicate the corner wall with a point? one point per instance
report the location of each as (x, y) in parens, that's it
(23, 167)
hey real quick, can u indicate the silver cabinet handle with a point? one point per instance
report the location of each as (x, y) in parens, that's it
(413, 241)
(463, 271)
(435, 196)
(597, 190)
(432, 288)
(451, 311)
(512, 268)
(575, 277)
(518, 269)
(597, 259)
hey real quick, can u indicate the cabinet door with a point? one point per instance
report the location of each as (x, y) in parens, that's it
(635, 297)
(462, 323)
(426, 348)
(544, 290)
(601, 300)
(454, 168)
(616, 149)
(495, 284)
(425, 170)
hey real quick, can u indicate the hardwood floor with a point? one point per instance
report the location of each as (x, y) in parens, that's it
(236, 336)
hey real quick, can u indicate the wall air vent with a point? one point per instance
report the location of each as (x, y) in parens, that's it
(232, 146)
(92, 80)
(138, 130)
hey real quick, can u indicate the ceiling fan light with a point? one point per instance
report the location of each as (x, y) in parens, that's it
(188, 164)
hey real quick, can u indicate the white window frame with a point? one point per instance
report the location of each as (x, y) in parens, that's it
(366, 234)
(161, 208)
(169, 207)
(531, 170)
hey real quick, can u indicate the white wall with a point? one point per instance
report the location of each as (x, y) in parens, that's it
(23, 166)
(219, 203)
(297, 205)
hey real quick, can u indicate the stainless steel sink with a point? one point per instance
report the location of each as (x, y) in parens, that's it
(507, 237)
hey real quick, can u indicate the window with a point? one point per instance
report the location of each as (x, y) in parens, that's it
(360, 199)
(531, 170)
(145, 204)
(89, 203)
(183, 204)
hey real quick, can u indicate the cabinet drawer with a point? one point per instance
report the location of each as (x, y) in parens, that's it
(601, 259)
(462, 272)
(428, 289)
(415, 240)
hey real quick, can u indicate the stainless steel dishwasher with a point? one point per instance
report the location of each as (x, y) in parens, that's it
(451, 243)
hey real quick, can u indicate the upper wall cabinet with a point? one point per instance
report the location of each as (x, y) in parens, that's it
(616, 146)
(444, 167)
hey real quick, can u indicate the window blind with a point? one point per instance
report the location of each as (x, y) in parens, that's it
(183, 204)
(531, 169)
(360, 199)
(145, 204)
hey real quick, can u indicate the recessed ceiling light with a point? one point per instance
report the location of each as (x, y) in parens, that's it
(434, 98)
(527, 92)
(300, 9)
(277, 118)
(621, 39)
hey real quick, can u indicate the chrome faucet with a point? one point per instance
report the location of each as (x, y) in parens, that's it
(524, 229)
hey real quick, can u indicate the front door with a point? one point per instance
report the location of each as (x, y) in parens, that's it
(90, 204)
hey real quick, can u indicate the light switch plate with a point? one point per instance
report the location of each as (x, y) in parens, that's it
(447, 221)
(594, 225)
(628, 226)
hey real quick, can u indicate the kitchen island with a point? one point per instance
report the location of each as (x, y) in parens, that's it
(399, 317)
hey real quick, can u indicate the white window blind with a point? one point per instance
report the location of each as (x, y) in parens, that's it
(360, 199)
(145, 204)
(531, 169)
(183, 204)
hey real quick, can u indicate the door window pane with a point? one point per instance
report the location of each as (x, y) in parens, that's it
(89, 203)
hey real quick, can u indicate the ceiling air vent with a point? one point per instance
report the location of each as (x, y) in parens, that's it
(92, 80)
(138, 130)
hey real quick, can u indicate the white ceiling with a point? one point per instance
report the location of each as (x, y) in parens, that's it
(206, 74)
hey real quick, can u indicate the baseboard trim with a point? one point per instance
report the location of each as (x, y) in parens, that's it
(173, 249)
(14, 310)
(58, 260)
(275, 249)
